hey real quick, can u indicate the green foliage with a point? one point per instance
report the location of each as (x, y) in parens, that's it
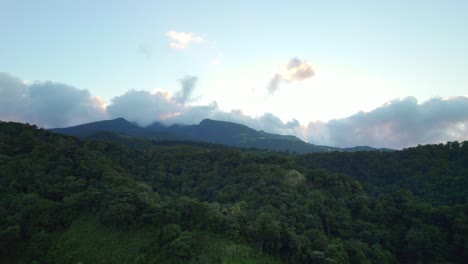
(88, 241)
(434, 173)
(65, 200)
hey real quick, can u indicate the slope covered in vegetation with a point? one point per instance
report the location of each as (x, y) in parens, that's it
(437, 174)
(67, 200)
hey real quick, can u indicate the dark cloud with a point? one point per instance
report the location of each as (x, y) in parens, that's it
(47, 104)
(273, 85)
(293, 124)
(188, 85)
(397, 124)
(294, 70)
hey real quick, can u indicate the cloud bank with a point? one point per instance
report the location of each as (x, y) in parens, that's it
(294, 70)
(182, 40)
(47, 104)
(397, 124)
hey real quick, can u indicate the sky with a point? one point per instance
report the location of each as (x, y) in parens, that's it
(340, 73)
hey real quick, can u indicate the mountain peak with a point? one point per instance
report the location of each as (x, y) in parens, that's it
(212, 122)
(119, 125)
(121, 119)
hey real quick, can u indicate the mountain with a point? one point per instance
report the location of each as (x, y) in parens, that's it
(118, 126)
(237, 135)
(211, 131)
(366, 148)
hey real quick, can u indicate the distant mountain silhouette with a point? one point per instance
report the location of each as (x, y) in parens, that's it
(211, 131)
(365, 148)
(237, 135)
(119, 126)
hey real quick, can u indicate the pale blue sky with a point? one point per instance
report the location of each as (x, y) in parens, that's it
(364, 53)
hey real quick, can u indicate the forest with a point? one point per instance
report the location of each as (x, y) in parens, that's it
(70, 200)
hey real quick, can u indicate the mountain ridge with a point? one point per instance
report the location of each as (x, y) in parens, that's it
(208, 130)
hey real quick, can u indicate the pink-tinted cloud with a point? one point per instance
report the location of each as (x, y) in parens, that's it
(294, 70)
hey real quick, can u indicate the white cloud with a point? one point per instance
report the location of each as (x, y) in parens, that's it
(182, 40)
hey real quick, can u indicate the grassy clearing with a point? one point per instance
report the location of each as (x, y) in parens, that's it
(88, 241)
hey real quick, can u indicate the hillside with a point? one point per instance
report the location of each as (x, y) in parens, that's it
(435, 173)
(67, 200)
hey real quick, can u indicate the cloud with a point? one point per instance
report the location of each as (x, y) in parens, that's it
(292, 124)
(397, 124)
(298, 70)
(51, 104)
(273, 85)
(188, 85)
(294, 70)
(182, 40)
(193, 114)
(143, 107)
(267, 122)
(47, 104)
